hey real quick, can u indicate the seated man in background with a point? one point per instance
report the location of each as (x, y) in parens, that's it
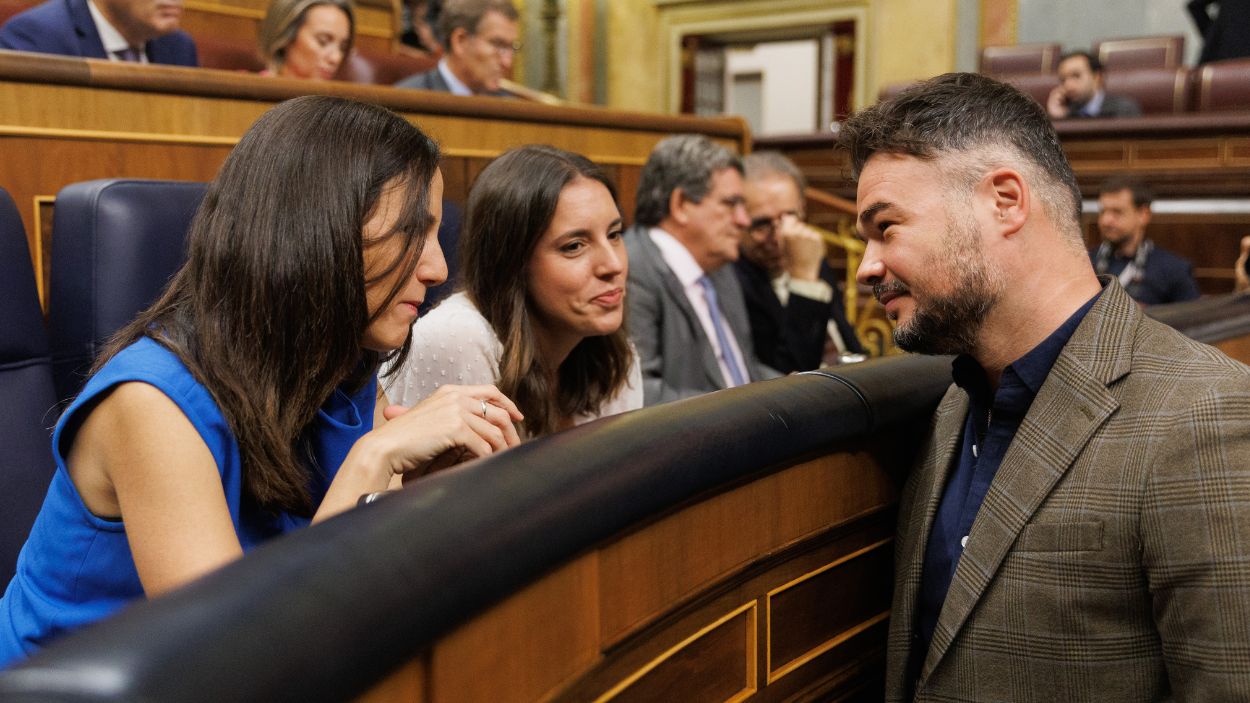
(686, 315)
(1150, 275)
(790, 292)
(141, 31)
(1080, 91)
(480, 40)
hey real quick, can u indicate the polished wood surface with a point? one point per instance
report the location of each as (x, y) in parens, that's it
(776, 589)
(64, 120)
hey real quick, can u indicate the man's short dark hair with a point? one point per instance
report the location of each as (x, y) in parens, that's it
(467, 14)
(974, 116)
(1095, 66)
(1142, 195)
(686, 161)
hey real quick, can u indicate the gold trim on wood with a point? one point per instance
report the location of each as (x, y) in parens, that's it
(828, 645)
(38, 240)
(750, 685)
(101, 135)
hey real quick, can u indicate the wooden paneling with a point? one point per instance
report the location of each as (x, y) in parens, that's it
(710, 540)
(66, 120)
(533, 642)
(775, 589)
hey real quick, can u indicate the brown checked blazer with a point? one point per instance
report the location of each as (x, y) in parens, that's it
(1110, 560)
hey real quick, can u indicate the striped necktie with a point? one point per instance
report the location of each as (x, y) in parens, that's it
(736, 374)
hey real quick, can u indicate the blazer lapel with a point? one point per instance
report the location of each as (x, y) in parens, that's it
(89, 42)
(677, 294)
(929, 479)
(1070, 406)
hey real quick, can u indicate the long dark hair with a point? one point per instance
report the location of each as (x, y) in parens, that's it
(269, 311)
(510, 206)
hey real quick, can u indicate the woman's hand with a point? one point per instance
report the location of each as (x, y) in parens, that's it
(454, 424)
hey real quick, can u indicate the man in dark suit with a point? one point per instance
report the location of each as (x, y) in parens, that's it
(790, 292)
(1151, 275)
(686, 315)
(1080, 91)
(144, 31)
(1078, 524)
(480, 39)
(1227, 36)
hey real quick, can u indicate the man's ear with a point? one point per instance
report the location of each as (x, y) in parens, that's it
(1143, 213)
(1011, 199)
(457, 39)
(676, 200)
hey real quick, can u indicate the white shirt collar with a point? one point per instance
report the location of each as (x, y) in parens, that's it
(112, 39)
(678, 257)
(457, 87)
(1094, 106)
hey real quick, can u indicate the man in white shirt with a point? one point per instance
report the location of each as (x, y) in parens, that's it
(686, 313)
(480, 37)
(795, 307)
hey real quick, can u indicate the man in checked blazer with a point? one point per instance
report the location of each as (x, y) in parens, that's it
(1078, 526)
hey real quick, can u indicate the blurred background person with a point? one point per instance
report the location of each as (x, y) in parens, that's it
(139, 31)
(542, 312)
(479, 38)
(791, 294)
(1227, 34)
(419, 18)
(307, 39)
(1151, 275)
(1080, 91)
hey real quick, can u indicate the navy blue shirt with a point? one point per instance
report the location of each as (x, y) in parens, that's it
(1167, 279)
(989, 428)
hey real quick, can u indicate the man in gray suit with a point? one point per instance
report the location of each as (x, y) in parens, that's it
(1078, 525)
(686, 315)
(480, 40)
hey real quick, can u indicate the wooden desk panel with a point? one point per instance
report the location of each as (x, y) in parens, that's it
(65, 120)
(685, 617)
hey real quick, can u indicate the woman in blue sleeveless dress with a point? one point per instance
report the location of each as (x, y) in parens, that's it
(244, 402)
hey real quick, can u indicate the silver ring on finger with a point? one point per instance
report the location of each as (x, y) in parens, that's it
(484, 410)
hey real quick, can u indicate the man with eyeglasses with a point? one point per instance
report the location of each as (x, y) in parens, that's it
(790, 292)
(686, 315)
(480, 40)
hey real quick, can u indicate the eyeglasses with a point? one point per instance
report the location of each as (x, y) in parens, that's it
(504, 48)
(762, 228)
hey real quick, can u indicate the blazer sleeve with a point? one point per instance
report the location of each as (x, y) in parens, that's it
(646, 317)
(1195, 524)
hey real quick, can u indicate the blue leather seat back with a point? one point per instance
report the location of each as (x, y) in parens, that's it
(115, 244)
(27, 401)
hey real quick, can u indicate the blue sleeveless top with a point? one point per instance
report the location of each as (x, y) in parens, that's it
(76, 568)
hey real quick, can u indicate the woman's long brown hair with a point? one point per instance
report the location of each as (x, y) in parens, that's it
(510, 206)
(269, 311)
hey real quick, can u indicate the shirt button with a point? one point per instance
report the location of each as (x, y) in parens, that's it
(963, 542)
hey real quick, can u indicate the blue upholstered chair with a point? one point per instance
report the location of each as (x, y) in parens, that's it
(27, 400)
(115, 244)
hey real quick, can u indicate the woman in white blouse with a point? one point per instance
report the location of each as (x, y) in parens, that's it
(541, 312)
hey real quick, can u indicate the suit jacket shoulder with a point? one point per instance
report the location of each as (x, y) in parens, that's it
(61, 27)
(427, 80)
(65, 27)
(1119, 106)
(177, 49)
